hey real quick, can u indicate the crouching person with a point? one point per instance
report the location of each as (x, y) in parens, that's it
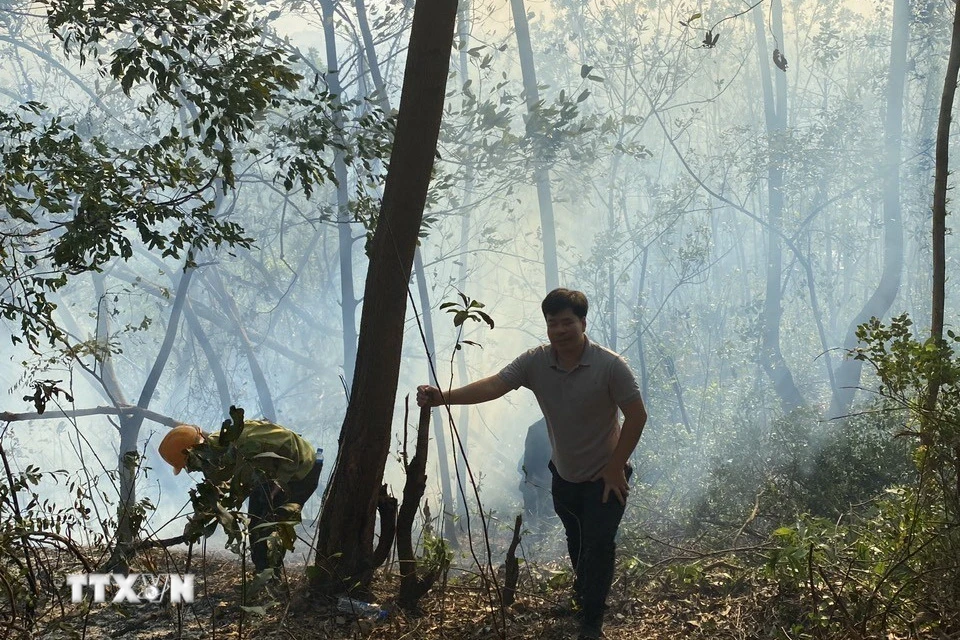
(272, 466)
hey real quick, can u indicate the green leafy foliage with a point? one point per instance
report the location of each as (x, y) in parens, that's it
(437, 554)
(199, 88)
(44, 391)
(908, 370)
(890, 565)
(869, 574)
(466, 309)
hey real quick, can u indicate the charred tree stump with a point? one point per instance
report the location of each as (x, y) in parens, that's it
(512, 566)
(413, 586)
(387, 508)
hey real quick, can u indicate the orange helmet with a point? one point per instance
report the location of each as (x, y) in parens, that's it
(173, 447)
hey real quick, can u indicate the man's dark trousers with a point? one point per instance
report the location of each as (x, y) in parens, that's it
(591, 528)
(262, 509)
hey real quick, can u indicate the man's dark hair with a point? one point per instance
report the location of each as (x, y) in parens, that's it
(561, 299)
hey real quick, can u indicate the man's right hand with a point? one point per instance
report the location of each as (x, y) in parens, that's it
(428, 396)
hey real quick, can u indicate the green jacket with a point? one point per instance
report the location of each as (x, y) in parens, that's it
(293, 456)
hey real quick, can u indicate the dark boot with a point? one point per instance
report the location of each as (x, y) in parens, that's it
(591, 627)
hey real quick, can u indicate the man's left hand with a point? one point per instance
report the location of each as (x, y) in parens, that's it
(615, 482)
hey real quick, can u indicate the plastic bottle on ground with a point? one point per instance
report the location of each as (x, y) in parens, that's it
(361, 609)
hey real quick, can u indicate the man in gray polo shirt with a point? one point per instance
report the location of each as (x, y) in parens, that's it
(579, 386)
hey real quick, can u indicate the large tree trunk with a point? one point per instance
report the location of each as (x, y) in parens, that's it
(346, 527)
(541, 171)
(848, 373)
(933, 433)
(775, 112)
(446, 497)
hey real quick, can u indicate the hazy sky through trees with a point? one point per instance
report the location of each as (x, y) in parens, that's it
(660, 156)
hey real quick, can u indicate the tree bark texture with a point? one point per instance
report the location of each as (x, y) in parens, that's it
(387, 510)
(346, 527)
(512, 565)
(446, 497)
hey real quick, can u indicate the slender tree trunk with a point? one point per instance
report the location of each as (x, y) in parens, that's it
(463, 424)
(283, 295)
(612, 264)
(224, 323)
(541, 171)
(775, 111)
(443, 459)
(848, 372)
(671, 370)
(938, 295)
(950, 487)
(414, 584)
(346, 527)
(348, 299)
(264, 395)
(371, 55)
(639, 320)
(130, 423)
(213, 359)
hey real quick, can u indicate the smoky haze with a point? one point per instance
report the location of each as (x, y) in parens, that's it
(730, 211)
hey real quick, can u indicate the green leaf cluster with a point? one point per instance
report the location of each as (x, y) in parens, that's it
(466, 309)
(909, 369)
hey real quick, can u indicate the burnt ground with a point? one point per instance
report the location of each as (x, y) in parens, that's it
(652, 603)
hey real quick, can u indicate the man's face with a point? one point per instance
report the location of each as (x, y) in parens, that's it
(565, 329)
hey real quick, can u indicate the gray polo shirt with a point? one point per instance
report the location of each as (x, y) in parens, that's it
(580, 405)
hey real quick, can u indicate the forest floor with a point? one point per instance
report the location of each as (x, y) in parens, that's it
(641, 606)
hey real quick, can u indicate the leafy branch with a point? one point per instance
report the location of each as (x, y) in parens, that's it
(464, 310)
